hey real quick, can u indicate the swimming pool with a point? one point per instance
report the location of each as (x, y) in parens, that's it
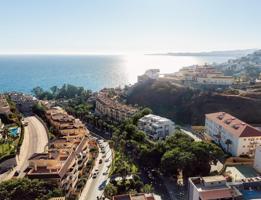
(251, 194)
(14, 131)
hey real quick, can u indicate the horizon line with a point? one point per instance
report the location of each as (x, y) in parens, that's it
(122, 53)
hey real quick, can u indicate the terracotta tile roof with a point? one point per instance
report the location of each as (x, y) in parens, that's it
(216, 194)
(111, 103)
(233, 125)
(140, 196)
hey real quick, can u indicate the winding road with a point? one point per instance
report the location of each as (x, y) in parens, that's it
(35, 141)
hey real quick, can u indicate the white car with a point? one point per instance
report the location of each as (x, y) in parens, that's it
(105, 173)
(107, 160)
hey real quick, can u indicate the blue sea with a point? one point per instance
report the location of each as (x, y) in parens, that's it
(24, 72)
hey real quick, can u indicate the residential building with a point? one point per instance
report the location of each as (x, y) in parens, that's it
(66, 156)
(1, 125)
(216, 80)
(64, 124)
(109, 107)
(211, 188)
(140, 196)
(4, 106)
(234, 136)
(24, 102)
(1, 128)
(150, 74)
(257, 160)
(204, 75)
(155, 126)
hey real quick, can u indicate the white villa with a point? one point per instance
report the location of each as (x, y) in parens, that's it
(150, 74)
(155, 126)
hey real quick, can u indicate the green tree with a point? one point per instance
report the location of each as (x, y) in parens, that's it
(26, 189)
(37, 91)
(147, 188)
(110, 190)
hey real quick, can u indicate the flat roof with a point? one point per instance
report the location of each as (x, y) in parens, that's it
(209, 179)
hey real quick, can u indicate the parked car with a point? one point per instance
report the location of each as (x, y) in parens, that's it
(95, 174)
(100, 161)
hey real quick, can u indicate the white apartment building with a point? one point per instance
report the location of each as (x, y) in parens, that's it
(149, 74)
(232, 134)
(155, 126)
(211, 187)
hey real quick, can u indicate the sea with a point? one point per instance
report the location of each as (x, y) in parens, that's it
(24, 72)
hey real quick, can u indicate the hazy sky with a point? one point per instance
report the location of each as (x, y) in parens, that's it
(120, 26)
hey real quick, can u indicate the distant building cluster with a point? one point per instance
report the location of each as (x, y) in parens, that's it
(156, 127)
(235, 136)
(24, 103)
(108, 106)
(202, 75)
(66, 156)
(241, 63)
(150, 74)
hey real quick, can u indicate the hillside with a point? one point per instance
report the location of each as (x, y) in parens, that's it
(188, 106)
(228, 53)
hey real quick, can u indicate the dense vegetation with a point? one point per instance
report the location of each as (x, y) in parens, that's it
(177, 153)
(10, 144)
(135, 152)
(72, 98)
(26, 189)
(67, 91)
(189, 106)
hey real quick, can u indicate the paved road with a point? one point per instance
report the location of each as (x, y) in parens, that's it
(93, 187)
(193, 136)
(35, 140)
